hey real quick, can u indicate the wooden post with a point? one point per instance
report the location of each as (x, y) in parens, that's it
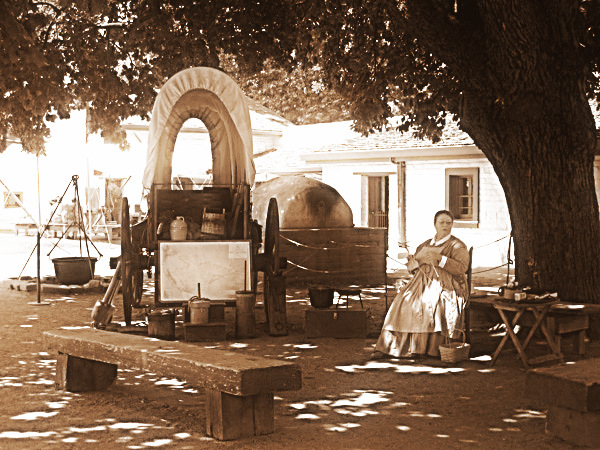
(235, 416)
(76, 374)
(401, 165)
(275, 306)
(39, 281)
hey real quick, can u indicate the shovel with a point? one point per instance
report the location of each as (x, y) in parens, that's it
(103, 309)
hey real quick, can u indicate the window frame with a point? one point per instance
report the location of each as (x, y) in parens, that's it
(465, 172)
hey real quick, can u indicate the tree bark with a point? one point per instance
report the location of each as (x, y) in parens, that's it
(549, 189)
(542, 150)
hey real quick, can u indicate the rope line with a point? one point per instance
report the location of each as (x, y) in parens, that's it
(300, 244)
(315, 270)
(410, 244)
(490, 269)
(493, 242)
(395, 260)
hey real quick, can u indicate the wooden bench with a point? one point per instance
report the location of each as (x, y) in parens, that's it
(239, 388)
(571, 318)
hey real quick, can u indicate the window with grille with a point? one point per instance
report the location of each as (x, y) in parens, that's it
(378, 199)
(462, 194)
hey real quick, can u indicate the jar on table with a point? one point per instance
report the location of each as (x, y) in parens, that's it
(178, 229)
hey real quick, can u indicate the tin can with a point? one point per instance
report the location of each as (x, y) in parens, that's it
(520, 296)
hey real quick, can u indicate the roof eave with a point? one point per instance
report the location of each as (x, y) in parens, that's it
(398, 154)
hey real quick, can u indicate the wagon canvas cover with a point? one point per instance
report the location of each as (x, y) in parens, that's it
(213, 97)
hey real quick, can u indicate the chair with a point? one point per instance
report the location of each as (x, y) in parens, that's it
(467, 311)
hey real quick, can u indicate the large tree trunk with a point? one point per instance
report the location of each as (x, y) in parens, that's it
(534, 123)
(521, 74)
(542, 150)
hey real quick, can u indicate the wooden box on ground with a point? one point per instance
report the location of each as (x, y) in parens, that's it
(576, 427)
(334, 256)
(572, 393)
(335, 323)
(239, 387)
(573, 385)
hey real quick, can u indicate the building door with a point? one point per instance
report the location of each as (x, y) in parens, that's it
(378, 201)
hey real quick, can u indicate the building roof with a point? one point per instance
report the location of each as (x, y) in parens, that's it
(298, 140)
(393, 140)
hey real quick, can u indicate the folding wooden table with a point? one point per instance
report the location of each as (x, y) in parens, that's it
(540, 310)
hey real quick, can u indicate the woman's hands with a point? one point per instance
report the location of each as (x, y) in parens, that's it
(429, 255)
(412, 263)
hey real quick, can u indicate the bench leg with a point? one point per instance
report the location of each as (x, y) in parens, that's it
(76, 374)
(581, 343)
(234, 416)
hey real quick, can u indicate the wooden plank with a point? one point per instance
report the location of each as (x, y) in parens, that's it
(264, 414)
(575, 308)
(221, 370)
(229, 416)
(576, 427)
(233, 417)
(336, 323)
(570, 324)
(340, 255)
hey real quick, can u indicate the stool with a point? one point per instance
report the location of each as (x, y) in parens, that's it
(342, 292)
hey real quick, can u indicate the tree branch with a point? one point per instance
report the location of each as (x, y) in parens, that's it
(450, 37)
(55, 8)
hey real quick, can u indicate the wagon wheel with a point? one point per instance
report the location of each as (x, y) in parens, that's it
(272, 240)
(128, 278)
(274, 281)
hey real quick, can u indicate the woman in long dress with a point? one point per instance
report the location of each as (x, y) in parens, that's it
(429, 309)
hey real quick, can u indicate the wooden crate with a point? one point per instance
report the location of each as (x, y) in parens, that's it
(334, 256)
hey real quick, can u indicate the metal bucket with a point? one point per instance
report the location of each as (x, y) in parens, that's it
(244, 314)
(74, 269)
(321, 297)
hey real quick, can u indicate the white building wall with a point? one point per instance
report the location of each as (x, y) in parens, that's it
(425, 194)
(350, 182)
(68, 153)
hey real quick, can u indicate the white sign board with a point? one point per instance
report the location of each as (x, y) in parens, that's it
(217, 265)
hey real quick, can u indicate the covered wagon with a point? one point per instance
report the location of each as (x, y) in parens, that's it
(201, 241)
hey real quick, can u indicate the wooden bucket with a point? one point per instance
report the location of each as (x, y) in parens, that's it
(213, 223)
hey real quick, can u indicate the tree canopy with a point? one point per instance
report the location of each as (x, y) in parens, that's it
(518, 75)
(382, 57)
(111, 57)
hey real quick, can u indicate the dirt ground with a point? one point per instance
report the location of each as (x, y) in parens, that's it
(346, 401)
